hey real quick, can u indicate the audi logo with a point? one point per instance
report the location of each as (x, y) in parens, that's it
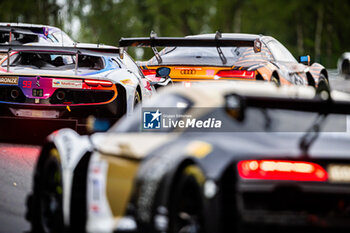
(188, 72)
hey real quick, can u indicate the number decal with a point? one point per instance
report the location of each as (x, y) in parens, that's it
(27, 84)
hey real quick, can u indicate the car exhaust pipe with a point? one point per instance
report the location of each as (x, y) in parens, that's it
(60, 95)
(14, 94)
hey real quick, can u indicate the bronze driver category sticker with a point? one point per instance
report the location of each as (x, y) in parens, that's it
(9, 80)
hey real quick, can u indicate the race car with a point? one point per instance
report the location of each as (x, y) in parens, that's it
(344, 64)
(50, 87)
(266, 163)
(22, 33)
(229, 56)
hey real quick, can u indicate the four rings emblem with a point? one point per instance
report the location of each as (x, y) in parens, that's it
(188, 72)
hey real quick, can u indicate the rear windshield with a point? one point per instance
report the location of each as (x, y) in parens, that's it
(204, 56)
(17, 38)
(54, 61)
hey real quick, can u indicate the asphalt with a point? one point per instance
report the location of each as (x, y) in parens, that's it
(16, 167)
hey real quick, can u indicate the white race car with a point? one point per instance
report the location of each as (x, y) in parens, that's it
(52, 84)
(344, 64)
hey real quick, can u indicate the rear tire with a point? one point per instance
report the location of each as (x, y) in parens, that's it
(345, 67)
(45, 211)
(137, 98)
(275, 80)
(323, 87)
(186, 205)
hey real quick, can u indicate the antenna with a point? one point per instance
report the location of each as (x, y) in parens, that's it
(60, 18)
(76, 62)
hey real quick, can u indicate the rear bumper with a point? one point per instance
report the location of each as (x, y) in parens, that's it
(305, 206)
(76, 112)
(75, 117)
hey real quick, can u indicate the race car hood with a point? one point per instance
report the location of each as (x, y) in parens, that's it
(130, 145)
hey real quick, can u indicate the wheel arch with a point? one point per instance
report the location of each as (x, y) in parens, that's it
(275, 74)
(345, 66)
(138, 89)
(325, 73)
(310, 79)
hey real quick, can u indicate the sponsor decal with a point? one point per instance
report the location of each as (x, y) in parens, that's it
(9, 80)
(127, 82)
(66, 83)
(46, 31)
(210, 72)
(257, 46)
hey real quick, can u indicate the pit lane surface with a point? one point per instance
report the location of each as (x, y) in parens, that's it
(16, 168)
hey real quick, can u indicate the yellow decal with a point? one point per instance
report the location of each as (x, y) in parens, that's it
(127, 82)
(199, 149)
(196, 173)
(8, 80)
(68, 108)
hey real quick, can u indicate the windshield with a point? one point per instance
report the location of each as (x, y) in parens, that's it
(62, 37)
(280, 52)
(54, 61)
(207, 56)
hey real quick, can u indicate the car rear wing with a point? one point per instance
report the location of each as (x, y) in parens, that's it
(184, 42)
(218, 41)
(17, 30)
(59, 49)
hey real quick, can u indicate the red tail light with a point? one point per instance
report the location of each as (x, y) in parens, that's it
(148, 72)
(281, 170)
(236, 74)
(95, 83)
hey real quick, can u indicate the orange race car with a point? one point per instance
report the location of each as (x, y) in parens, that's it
(228, 56)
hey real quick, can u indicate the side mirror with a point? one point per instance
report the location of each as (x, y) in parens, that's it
(305, 60)
(162, 72)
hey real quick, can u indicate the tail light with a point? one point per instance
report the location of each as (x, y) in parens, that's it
(236, 74)
(148, 72)
(281, 170)
(95, 83)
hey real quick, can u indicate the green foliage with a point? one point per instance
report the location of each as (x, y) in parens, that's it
(318, 28)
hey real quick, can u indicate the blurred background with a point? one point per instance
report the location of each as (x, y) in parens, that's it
(317, 28)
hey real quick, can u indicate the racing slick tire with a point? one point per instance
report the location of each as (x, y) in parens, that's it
(323, 85)
(275, 80)
(186, 202)
(137, 98)
(45, 211)
(345, 68)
